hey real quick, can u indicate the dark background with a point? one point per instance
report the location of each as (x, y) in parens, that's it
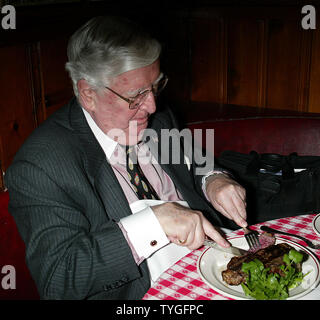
(220, 56)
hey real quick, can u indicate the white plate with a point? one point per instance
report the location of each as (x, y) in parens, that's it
(212, 262)
(316, 224)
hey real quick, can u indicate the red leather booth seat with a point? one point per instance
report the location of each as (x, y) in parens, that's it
(264, 135)
(273, 135)
(12, 252)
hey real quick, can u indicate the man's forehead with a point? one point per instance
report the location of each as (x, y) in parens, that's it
(136, 91)
(137, 79)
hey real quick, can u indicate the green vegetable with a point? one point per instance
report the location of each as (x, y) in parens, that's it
(295, 256)
(264, 285)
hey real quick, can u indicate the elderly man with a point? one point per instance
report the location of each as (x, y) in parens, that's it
(78, 197)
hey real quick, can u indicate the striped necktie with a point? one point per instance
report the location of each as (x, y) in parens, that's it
(141, 185)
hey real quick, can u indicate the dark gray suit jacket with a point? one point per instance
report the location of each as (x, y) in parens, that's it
(66, 201)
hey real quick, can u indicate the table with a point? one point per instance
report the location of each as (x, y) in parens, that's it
(182, 281)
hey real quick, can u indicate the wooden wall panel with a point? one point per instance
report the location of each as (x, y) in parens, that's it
(254, 56)
(209, 56)
(314, 90)
(244, 61)
(284, 50)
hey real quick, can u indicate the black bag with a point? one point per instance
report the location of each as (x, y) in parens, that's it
(274, 188)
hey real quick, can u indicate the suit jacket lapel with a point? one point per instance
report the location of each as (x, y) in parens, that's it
(111, 193)
(98, 169)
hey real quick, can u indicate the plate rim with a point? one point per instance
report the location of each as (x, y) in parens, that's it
(314, 224)
(225, 294)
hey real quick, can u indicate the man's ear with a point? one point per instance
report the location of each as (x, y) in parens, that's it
(86, 95)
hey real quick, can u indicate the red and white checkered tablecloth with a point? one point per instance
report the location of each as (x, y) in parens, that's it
(182, 281)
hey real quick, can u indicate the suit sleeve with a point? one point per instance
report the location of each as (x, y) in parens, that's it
(68, 257)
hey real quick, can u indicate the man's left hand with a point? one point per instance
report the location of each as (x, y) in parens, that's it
(228, 197)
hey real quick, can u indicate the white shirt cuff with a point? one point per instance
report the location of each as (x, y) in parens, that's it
(144, 232)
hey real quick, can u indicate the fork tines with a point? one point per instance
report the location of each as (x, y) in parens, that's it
(252, 237)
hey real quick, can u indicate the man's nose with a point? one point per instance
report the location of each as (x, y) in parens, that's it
(149, 104)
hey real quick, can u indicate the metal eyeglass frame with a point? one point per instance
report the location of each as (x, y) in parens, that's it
(145, 93)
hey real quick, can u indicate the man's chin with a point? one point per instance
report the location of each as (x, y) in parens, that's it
(135, 133)
(135, 139)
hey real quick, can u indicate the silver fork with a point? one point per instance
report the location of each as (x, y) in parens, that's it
(252, 237)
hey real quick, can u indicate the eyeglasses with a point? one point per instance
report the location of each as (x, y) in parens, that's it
(137, 101)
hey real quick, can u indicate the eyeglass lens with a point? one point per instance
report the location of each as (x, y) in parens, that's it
(156, 89)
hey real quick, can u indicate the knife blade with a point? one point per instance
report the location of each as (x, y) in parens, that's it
(232, 250)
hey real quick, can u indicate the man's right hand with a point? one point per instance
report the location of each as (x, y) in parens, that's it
(186, 227)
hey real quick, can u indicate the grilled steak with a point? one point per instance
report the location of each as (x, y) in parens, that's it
(270, 256)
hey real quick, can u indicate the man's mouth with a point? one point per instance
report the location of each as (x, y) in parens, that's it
(141, 121)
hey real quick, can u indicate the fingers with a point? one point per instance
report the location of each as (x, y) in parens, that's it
(239, 204)
(192, 238)
(196, 235)
(237, 210)
(229, 198)
(234, 209)
(242, 193)
(192, 231)
(213, 234)
(182, 225)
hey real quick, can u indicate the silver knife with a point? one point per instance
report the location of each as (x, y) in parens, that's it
(232, 250)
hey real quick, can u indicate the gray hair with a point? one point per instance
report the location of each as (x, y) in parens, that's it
(106, 47)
